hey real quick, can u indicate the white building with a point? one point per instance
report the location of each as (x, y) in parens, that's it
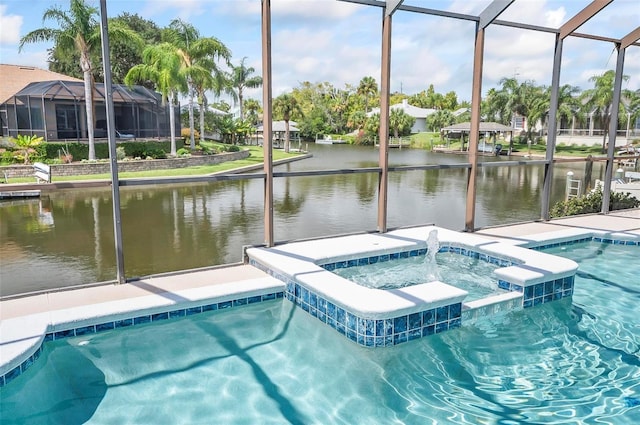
(420, 114)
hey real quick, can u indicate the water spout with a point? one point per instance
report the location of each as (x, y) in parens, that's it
(433, 245)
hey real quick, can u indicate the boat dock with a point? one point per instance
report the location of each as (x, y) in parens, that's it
(19, 194)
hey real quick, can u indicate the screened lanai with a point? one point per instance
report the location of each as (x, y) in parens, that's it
(620, 39)
(55, 110)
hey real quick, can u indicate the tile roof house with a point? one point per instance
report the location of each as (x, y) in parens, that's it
(38, 102)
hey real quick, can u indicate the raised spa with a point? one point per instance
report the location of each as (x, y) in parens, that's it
(318, 279)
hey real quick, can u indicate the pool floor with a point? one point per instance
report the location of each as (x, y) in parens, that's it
(272, 363)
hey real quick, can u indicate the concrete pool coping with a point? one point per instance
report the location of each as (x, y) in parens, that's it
(24, 321)
(302, 262)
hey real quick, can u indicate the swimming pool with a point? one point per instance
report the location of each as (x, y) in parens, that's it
(273, 363)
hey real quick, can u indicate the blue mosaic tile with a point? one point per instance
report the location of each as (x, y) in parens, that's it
(11, 375)
(442, 314)
(85, 330)
(352, 321)
(415, 321)
(428, 330)
(331, 310)
(379, 328)
(225, 304)
(177, 313)
(369, 329)
(237, 303)
(322, 305)
(159, 316)
(193, 310)
(455, 311)
(399, 338)
(538, 290)
(123, 323)
(25, 364)
(429, 317)
(441, 327)
(64, 334)
(254, 299)
(105, 326)
(141, 320)
(400, 324)
(352, 335)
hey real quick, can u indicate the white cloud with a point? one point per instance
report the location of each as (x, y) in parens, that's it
(185, 8)
(10, 27)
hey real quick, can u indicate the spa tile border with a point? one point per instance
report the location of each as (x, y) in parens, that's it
(363, 261)
(365, 331)
(132, 321)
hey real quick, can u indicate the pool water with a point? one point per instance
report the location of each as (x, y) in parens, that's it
(272, 363)
(471, 274)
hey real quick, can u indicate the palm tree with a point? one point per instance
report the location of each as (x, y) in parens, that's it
(400, 122)
(162, 67)
(367, 87)
(199, 56)
(286, 106)
(239, 79)
(253, 108)
(79, 32)
(599, 100)
(568, 104)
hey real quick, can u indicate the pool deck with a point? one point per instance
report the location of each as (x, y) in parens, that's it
(24, 321)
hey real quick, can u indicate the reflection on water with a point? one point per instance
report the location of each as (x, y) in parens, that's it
(66, 238)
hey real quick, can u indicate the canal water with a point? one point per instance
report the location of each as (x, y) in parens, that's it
(66, 237)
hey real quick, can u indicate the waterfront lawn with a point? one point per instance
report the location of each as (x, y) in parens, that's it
(256, 158)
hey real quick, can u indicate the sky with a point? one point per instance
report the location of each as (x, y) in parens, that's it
(340, 43)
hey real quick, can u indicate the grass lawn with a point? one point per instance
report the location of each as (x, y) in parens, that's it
(256, 158)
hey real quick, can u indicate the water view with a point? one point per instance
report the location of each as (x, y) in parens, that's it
(66, 237)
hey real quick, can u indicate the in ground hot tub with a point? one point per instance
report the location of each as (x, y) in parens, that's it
(372, 316)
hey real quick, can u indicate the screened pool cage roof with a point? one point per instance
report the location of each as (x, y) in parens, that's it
(74, 90)
(592, 22)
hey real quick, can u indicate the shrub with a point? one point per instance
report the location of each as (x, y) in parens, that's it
(592, 203)
(120, 153)
(185, 133)
(154, 153)
(183, 152)
(233, 148)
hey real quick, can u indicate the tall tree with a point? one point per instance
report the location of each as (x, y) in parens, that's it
(286, 106)
(241, 78)
(253, 108)
(78, 32)
(367, 88)
(124, 55)
(199, 62)
(599, 100)
(161, 65)
(400, 122)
